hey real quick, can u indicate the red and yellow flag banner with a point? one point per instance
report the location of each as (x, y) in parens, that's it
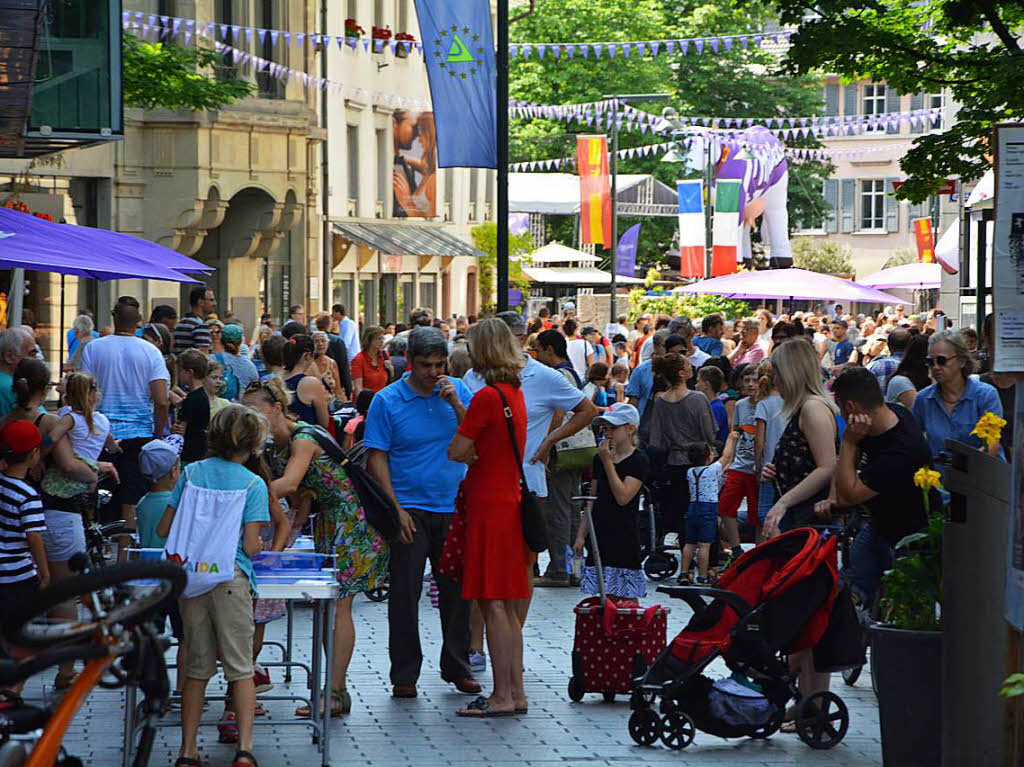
(925, 240)
(595, 190)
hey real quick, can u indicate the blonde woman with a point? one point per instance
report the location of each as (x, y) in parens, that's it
(496, 558)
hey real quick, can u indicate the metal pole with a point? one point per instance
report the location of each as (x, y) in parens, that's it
(982, 290)
(502, 115)
(16, 298)
(325, 188)
(708, 220)
(614, 264)
(60, 360)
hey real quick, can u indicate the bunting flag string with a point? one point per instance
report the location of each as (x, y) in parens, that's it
(567, 51)
(797, 153)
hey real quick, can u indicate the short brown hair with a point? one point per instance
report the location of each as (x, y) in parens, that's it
(323, 321)
(195, 362)
(272, 350)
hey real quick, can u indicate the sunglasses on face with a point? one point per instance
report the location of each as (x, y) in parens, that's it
(940, 360)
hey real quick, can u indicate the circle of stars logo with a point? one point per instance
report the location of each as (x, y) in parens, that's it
(455, 48)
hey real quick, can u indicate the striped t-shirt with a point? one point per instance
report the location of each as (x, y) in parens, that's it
(21, 512)
(191, 332)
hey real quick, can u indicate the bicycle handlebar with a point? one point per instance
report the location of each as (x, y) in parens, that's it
(12, 671)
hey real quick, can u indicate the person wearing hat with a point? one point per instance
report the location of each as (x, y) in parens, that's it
(23, 568)
(239, 371)
(620, 471)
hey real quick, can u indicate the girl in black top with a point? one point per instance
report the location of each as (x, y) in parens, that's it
(619, 472)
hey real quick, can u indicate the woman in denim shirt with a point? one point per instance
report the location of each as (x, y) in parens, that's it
(950, 407)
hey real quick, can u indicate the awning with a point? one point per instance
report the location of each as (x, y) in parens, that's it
(568, 275)
(406, 239)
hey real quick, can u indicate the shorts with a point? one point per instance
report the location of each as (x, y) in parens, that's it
(64, 535)
(220, 619)
(133, 485)
(738, 485)
(701, 522)
(766, 499)
(15, 594)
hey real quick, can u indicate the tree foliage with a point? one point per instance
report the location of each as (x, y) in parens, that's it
(826, 256)
(671, 304)
(485, 238)
(171, 76)
(973, 47)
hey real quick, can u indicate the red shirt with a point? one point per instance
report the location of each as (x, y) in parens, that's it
(373, 372)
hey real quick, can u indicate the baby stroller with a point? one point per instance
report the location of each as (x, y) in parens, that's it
(776, 599)
(659, 562)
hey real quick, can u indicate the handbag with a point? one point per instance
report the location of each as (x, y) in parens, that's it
(380, 510)
(535, 529)
(453, 551)
(575, 452)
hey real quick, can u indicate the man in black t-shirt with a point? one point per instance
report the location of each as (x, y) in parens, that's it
(883, 446)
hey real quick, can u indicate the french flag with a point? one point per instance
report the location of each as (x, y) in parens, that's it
(691, 228)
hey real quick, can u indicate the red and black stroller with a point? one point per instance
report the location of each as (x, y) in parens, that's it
(776, 599)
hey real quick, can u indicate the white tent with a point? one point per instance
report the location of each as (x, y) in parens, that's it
(558, 194)
(557, 253)
(570, 275)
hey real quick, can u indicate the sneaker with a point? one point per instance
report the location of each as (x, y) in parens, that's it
(477, 661)
(703, 581)
(261, 679)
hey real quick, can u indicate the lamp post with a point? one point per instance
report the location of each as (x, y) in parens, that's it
(501, 106)
(617, 99)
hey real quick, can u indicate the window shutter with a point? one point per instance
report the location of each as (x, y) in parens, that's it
(892, 207)
(832, 98)
(850, 105)
(831, 219)
(892, 104)
(847, 205)
(917, 102)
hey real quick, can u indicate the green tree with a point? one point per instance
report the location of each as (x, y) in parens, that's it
(171, 76)
(485, 238)
(827, 256)
(973, 47)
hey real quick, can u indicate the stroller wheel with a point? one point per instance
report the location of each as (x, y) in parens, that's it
(660, 565)
(677, 730)
(822, 720)
(851, 675)
(575, 689)
(379, 594)
(644, 726)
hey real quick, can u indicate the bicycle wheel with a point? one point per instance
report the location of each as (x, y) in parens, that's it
(124, 594)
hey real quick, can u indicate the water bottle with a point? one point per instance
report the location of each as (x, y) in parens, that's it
(573, 563)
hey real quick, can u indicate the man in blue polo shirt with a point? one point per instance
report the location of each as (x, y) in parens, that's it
(408, 429)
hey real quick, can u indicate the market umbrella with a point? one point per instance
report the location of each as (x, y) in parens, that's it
(916, 276)
(790, 283)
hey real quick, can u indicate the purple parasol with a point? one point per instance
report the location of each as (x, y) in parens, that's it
(916, 276)
(789, 284)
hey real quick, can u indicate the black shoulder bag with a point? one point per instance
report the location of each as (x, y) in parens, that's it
(381, 512)
(535, 529)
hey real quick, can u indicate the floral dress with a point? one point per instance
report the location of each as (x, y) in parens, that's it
(361, 554)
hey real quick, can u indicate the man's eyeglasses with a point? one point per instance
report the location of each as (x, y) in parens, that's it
(939, 359)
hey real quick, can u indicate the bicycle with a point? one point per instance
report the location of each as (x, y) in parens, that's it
(111, 634)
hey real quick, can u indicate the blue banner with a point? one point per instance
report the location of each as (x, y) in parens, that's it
(625, 254)
(458, 48)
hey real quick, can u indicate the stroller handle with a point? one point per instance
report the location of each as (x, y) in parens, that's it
(688, 593)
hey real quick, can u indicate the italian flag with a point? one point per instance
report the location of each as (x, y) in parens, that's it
(726, 227)
(691, 228)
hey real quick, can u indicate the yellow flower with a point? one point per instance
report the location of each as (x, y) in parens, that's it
(926, 478)
(989, 429)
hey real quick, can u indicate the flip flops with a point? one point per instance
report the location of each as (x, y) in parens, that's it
(481, 709)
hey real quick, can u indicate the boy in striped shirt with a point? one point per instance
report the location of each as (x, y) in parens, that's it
(23, 567)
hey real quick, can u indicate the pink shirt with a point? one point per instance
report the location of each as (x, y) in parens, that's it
(751, 356)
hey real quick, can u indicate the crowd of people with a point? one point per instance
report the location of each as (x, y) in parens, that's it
(741, 428)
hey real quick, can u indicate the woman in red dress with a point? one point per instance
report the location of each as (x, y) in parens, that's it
(495, 552)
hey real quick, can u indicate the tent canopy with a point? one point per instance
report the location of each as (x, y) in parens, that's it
(557, 253)
(569, 275)
(916, 276)
(558, 194)
(28, 242)
(789, 284)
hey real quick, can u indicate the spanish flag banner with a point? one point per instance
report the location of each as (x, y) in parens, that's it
(595, 190)
(925, 240)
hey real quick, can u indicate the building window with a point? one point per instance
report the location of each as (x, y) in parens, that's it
(474, 190)
(403, 16)
(352, 136)
(383, 170)
(378, 13)
(935, 101)
(224, 14)
(873, 103)
(872, 204)
(270, 87)
(352, 9)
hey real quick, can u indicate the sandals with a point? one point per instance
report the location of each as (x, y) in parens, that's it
(481, 709)
(64, 681)
(341, 705)
(185, 761)
(244, 755)
(227, 729)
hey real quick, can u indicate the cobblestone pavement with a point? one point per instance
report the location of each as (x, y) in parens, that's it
(385, 732)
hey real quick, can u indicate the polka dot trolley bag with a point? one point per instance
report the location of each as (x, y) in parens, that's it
(614, 644)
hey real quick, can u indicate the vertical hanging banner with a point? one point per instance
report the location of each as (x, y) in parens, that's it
(459, 53)
(595, 190)
(625, 254)
(925, 240)
(726, 227)
(691, 228)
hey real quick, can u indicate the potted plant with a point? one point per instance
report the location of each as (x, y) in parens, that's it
(353, 32)
(379, 37)
(405, 41)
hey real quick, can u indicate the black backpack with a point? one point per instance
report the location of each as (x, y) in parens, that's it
(381, 511)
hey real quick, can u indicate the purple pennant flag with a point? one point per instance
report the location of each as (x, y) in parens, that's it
(557, 52)
(728, 43)
(513, 51)
(248, 35)
(262, 35)
(585, 50)
(699, 45)
(758, 39)
(745, 42)
(223, 31)
(714, 44)
(670, 46)
(273, 36)
(611, 51)
(626, 49)
(684, 45)
(341, 42)
(598, 47)
(571, 50)
(655, 47)
(541, 50)
(175, 26)
(525, 51)
(366, 44)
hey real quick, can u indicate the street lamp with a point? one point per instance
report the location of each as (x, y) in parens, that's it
(623, 98)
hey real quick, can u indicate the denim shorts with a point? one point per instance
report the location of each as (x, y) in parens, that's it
(701, 522)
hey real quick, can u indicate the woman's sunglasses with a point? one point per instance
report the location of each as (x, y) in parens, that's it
(941, 360)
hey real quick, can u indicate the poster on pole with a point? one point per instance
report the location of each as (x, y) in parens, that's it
(595, 190)
(1008, 248)
(414, 171)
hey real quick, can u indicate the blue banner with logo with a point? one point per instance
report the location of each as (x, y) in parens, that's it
(458, 46)
(625, 254)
